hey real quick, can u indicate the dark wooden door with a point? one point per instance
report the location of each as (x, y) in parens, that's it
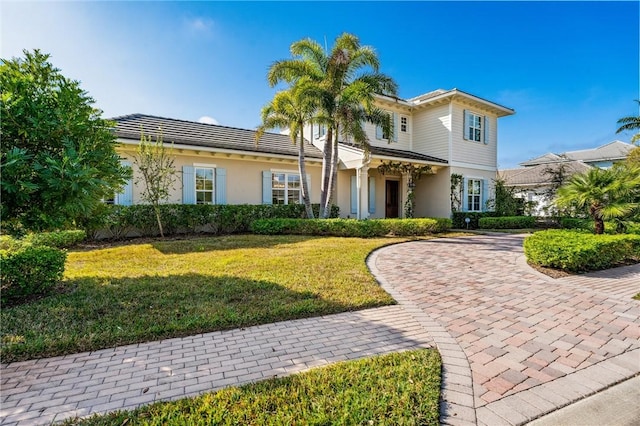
(391, 198)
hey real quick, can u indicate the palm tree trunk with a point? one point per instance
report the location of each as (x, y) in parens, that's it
(334, 170)
(325, 190)
(302, 168)
(594, 211)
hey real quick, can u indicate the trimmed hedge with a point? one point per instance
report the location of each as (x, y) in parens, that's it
(576, 223)
(507, 222)
(139, 220)
(577, 251)
(459, 217)
(58, 239)
(351, 227)
(29, 270)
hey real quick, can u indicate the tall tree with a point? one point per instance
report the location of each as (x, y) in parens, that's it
(347, 78)
(632, 123)
(604, 194)
(292, 109)
(157, 173)
(58, 155)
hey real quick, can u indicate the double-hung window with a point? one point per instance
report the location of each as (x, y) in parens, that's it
(474, 127)
(285, 188)
(474, 195)
(204, 185)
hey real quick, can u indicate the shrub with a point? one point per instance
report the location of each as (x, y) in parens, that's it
(576, 223)
(27, 270)
(58, 239)
(120, 221)
(577, 251)
(459, 217)
(507, 222)
(351, 227)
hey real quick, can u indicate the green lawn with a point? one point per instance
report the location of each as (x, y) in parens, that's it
(401, 388)
(147, 291)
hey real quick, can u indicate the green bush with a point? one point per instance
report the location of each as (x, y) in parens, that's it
(58, 239)
(351, 227)
(576, 223)
(459, 217)
(120, 221)
(577, 251)
(27, 270)
(507, 222)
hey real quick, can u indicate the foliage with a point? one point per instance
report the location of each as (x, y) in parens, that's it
(604, 194)
(118, 222)
(507, 222)
(157, 173)
(28, 270)
(576, 223)
(577, 251)
(351, 227)
(169, 288)
(557, 175)
(345, 81)
(398, 388)
(458, 219)
(57, 239)
(456, 193)
(57, 155)
(630, 123)
(292, 109)
(505, 203)
(414, 172)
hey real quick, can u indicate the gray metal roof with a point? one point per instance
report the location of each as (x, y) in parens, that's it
(182, 132)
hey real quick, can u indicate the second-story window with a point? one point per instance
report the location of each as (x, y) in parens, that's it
(404, 124)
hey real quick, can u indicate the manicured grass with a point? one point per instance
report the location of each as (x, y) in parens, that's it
(401, 388)
(160, 289)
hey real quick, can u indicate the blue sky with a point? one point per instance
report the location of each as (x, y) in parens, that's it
(569, 69)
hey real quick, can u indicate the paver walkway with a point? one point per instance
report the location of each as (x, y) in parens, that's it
(515, 344)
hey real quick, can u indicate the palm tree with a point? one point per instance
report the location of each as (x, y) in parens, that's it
(346, 80)
(291, 109)
(604, 193)
(630, 123)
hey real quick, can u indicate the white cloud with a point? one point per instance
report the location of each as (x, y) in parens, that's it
(207, 120)
(200, 25)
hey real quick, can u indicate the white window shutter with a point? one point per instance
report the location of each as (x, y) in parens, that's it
(378, 132)
(316, 130)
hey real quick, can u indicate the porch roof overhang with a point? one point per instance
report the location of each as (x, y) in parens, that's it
(379, 154)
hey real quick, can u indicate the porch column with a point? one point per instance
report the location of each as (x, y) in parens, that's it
(363, 192)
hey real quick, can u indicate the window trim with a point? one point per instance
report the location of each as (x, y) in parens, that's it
(211, 167)
(286, 174)
(470, 202)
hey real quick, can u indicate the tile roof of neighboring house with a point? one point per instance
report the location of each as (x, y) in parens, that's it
(616, 150)
(398, 153)
(182, 132)
(536, 176)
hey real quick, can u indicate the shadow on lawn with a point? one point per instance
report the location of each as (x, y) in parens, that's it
(97, 313)
(197, 244)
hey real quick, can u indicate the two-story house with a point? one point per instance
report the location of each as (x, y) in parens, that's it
(451, 131)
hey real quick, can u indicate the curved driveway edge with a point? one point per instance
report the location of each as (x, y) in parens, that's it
(515, 344)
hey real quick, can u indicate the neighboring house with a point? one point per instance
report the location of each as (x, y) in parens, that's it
(537, 184)
(450, 131)
(534, 182)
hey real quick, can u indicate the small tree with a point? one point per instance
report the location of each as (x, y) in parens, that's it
(505, 203)
(157, 173)
(632, 123)
(456, 192)
(57, 155)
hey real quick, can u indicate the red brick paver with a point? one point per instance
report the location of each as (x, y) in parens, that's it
(520, 331)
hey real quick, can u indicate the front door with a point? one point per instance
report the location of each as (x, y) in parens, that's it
(391, 198)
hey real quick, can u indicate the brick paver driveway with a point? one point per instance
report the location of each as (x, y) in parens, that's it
(515, 343)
